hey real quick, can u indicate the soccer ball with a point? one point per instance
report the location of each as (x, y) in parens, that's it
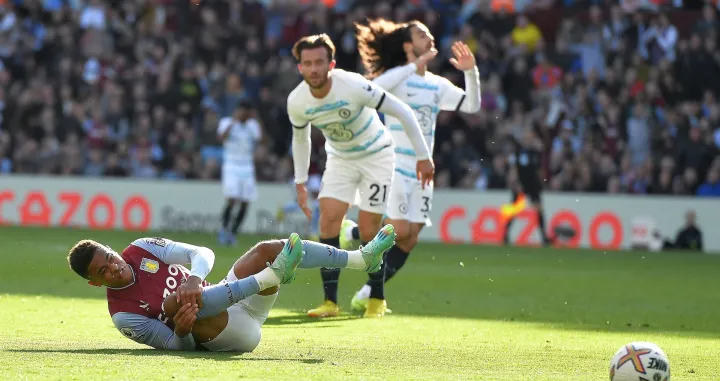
(640, 361)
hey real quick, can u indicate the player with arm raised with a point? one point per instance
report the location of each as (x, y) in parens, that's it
(154, 300)
(360, 156)
(390, 52)
(239, 135)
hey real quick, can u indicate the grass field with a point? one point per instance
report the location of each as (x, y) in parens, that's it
(460, 313)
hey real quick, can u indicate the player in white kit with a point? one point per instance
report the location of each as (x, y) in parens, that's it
(239, 135)
(359, 148)
(389, 52)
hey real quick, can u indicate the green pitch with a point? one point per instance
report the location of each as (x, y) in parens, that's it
(461, 312)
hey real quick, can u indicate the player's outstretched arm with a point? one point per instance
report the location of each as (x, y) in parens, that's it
(151, 332)
(453, 98)
(393, 77)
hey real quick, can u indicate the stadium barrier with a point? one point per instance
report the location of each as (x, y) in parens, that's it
(601, 221)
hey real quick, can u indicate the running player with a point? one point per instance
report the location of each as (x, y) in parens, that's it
(389, 52)
(360, 156)
(239, 134)
(154, 300)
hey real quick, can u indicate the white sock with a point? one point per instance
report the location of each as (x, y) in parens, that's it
(355, 260)
(364, 292)
(348, 234)
(267, 278)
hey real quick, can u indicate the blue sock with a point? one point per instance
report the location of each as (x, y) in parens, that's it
(321, 255)
(219, 297)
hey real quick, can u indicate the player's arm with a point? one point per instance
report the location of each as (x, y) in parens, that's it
(201, 259)
(256, 129)
(371, 96)
(393, 77)
(224, 128)
(455, 99)
(301, 149)
(391, 105)
(301, 143)
(152, 332)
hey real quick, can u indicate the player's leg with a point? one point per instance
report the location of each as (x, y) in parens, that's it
(419, 217)
(508, 223)
(397, 214)
(375, 187)
(337, 192)
(534, 195)
(248, 194)
(238, 328)
(231, 192)
(221, 326)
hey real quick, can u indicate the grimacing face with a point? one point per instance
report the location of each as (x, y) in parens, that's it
(108, 269)
(421, 39)
(314, 66)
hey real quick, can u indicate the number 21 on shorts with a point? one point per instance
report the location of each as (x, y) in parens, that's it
(378, 194)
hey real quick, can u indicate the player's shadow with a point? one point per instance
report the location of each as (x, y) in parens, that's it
(219, 356)
(302, 319)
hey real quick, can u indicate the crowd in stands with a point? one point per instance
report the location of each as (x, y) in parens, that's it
(621, 99)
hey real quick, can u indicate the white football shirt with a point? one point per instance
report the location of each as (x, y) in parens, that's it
(346, 116)
(239, 147)
(427, 95)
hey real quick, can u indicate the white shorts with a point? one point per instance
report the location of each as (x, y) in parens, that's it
(243, 333)
(409, 202)
(243, 188)
(364, 182)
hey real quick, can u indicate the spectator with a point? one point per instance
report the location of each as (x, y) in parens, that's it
(711, 188)
(658, 41)
(689, 237)
(135, 89)
(526, 35)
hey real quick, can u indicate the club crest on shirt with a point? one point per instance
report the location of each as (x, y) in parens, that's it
(344, 113)
(149, 265)
(156, 241)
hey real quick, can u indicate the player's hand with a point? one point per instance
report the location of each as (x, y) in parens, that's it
(464, 59)
(302, 200)
(422, 61)
(185, 319)
(425, 171)
(190, 292)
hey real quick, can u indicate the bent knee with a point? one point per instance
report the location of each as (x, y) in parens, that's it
(268, 248)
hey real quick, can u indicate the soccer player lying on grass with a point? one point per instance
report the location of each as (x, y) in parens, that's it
(154, 300)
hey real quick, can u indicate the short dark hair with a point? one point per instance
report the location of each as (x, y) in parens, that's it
(312, 42)
(81, 255)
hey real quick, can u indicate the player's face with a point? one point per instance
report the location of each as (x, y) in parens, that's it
(314, 66)
(422, 40)
(241, 114)
(109, 269)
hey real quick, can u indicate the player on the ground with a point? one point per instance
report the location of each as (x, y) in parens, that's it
(389, 52)
(154, 300)
(239, 135)
(360, 155)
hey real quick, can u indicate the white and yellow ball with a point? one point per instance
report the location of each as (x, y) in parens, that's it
(640, 361)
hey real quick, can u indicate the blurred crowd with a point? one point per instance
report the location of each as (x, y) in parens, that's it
(620, 99)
